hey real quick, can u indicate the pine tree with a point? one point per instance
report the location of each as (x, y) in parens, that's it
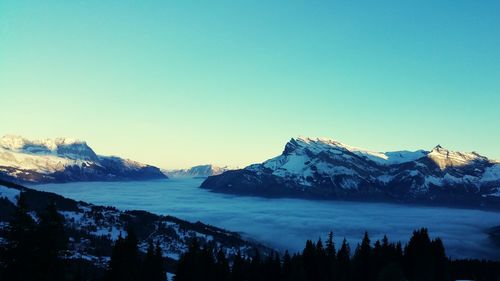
(222, 271)
(152, 265)
(51, 240)
(331, 257)
(362, 260)
(286, 271)
(309, 260)
(238, 270)
(159, 268)
(330, 246)
(189, 264)
(343, 261)
(441, 263)
(125, 261)
(418, 257)
(19, 259)
(254, 271)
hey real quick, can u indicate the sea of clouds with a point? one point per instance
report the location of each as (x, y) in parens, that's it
(288, 223)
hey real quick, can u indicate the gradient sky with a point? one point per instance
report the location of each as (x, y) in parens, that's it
(179, 83)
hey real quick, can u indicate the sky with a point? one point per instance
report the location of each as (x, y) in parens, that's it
(180, 83)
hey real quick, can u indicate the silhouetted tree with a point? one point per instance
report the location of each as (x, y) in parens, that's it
(238, 271)
(222, 271)
(20, 264)
(51, 241)
(125, 261)
(343, 261)
(362, 259)
(152, 265)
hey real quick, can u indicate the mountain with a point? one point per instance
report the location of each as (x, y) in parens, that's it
(201, 171)
(328, 169)
(65, 160)
(93, 229)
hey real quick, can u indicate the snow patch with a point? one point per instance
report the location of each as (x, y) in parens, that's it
(10, 194)
(491, 173)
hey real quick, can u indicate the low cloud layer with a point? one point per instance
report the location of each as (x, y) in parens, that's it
(288, 223)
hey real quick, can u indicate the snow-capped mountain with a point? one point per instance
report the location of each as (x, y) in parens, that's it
(201, 171)
(63, 160)
(323, 168)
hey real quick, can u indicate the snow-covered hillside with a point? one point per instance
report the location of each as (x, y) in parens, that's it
(93, 229)
(62, 160)
(324, 168)
(201, 171)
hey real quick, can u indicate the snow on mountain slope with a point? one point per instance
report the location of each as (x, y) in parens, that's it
(386, 158)
(197, 171)
(445, 158)
(323, 168)
(63, 159)
(62, 147)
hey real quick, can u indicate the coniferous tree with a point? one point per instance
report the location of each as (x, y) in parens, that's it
(343, 261)
(125, 261)
(51, 241)
(19, 257)
(309, 260)
(298, 271)
(418, 252)
(207, 263)
(238, 270)
(440, 260)
(222, 271)
(331, 258)
(254, 270)
(189, 264)
(286, 271)
(362, 260)
(152, 265)
(159, 268)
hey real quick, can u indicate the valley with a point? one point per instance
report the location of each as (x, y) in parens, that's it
(285, 223)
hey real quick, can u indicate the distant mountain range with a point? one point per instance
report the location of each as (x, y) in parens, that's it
(201, 171)
(65, 160)
(328, 169)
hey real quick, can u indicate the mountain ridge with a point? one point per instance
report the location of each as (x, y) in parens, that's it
(198, 171)
(327, 169)
(65, 160)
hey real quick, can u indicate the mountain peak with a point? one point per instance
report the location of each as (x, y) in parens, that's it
(63, 147)
(197, 171)
(64, 159)
(16, 142)
(446, 158)
(317, 145)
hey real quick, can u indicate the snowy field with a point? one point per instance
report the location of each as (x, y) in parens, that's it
(287, 223)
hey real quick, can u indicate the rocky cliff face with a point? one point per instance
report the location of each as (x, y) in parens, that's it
(327, 169)
(65, 160)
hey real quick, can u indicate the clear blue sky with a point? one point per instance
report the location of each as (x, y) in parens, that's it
(178, 83)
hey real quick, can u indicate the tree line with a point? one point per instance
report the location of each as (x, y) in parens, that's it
(421, 259)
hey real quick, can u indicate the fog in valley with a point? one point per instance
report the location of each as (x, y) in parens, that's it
(288, 223)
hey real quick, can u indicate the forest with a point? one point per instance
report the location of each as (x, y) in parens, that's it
(35, 248)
